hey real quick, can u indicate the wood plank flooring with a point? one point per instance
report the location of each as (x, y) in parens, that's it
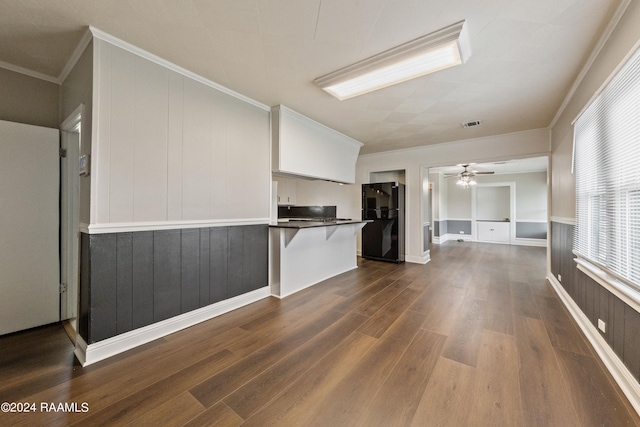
(476, 337)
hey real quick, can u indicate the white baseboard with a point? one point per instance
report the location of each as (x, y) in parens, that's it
(468, 238)
(425, 258)
(81, 350)
(465, 237)
(441, 239)
(629, 385)
(92, 353)
(530, 242)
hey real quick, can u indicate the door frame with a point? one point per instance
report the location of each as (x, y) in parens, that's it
(71, 141)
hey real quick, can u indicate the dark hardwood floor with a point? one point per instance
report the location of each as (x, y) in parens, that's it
(477, 337)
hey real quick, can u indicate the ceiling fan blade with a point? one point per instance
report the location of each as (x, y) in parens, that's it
(484, 173)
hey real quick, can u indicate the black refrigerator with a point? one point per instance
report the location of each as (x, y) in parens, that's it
(383, 239)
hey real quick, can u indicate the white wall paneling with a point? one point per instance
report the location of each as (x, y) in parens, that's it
(121, 139)
(171, 148)
(175, 133)
(197, 160)
(150, 155)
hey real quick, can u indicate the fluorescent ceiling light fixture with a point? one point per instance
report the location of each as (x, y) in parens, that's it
(436, 51)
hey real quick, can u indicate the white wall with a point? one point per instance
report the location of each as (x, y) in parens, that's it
(493, 203)
(426, 199)
(387, 176)
(531, 193)
(500, 147)
(172, 149)
(345, 197)
(443, 202)
(458, 200)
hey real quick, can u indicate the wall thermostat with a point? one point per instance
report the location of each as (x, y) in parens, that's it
(84, 165)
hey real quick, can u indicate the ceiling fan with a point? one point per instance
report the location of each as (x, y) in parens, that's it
(466, 178)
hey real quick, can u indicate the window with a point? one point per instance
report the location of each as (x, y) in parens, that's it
(607, 170)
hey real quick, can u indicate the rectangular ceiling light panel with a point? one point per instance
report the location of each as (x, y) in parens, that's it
(436, 51)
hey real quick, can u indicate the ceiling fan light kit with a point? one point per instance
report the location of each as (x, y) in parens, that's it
(466, 181)
(433, 52)
(467, 178)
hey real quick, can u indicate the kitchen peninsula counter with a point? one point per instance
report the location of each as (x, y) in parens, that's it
(309, 224)
(304, 253)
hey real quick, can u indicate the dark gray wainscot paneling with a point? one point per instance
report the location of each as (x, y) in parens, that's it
(439, 228)
(596, 302)
(131, 280)
(426, 237)
(531, 230)
(455, 226)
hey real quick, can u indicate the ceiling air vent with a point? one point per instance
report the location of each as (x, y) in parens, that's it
(471, 124)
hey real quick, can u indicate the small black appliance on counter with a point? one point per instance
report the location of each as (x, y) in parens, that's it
(383, 239)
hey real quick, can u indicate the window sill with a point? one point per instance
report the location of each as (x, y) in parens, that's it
(629, 295)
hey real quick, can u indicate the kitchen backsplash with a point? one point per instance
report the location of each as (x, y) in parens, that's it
(306, 211)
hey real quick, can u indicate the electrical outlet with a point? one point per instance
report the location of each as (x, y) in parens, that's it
(559, 277)
(602, 326)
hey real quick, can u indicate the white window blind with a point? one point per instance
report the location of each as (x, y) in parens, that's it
(607, 171)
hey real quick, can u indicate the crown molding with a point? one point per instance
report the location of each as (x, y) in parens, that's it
(602, 41)
(75, 56)
(27, 72)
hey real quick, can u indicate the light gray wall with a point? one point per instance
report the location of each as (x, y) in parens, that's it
(458, 200)
(28, 100)
(77, 89)
(493, 203)
(618, 46)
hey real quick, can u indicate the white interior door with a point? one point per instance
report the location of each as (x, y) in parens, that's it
(29, 223)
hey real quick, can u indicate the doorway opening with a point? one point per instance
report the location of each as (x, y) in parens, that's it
(507, 202)
(71, 147)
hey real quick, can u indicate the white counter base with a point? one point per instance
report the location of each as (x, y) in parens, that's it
(303, 257)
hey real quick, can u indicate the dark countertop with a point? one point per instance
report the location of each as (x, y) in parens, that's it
(310, 224)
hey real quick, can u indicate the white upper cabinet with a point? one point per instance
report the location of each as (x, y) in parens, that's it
(287, 191)
(306, 148)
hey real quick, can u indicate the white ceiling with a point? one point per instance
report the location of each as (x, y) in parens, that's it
(525, 55)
